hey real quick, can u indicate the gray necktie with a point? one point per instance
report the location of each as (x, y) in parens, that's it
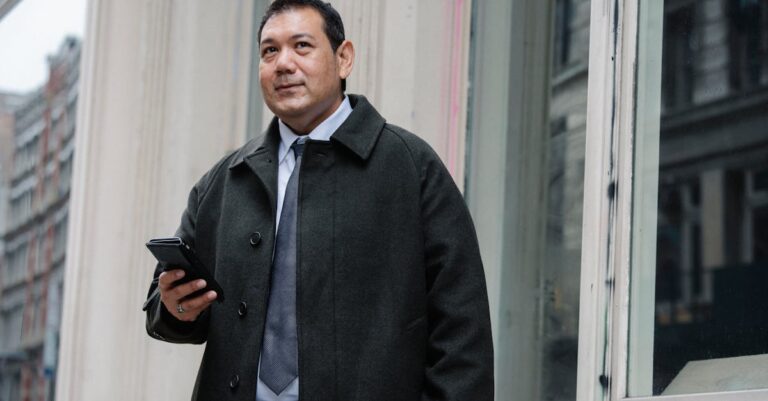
(280, 354)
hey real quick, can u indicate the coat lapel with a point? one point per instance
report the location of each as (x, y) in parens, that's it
(261, 157)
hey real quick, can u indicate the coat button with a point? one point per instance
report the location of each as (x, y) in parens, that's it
(243, 309)
(255, 238)
(234, 382)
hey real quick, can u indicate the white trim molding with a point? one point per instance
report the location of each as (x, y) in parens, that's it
(607, 201)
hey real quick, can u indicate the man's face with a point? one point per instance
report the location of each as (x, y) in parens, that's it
(300, 74)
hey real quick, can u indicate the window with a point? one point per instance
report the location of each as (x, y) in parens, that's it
(747, 20)
(678, 55)
(562, 45)
(675, 192)
(702, 171)
(756, 247)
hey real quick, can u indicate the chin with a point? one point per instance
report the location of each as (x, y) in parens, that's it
(287, 107)
(283, 111)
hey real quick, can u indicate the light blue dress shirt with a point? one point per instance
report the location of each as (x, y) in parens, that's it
(322, 132)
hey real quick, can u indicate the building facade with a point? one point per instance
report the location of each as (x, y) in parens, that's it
(8, 103)
(612, 153)
(35, 235)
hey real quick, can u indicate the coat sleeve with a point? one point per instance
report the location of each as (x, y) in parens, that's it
(161, 324)
(460, 347)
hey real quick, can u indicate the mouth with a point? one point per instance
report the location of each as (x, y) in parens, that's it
(289, 86)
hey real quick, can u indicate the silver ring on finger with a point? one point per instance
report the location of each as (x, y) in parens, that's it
(179, 308)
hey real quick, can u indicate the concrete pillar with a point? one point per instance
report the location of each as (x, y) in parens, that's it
(412, 64)
(163, 95)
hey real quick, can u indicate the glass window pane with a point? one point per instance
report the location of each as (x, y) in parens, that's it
(563, 193)
(700, 243)
(529, 101)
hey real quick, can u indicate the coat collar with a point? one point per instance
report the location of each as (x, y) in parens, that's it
(359, 133)
(362, 128)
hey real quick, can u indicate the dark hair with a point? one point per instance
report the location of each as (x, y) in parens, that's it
(333, 26)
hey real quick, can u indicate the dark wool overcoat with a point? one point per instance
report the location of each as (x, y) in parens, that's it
(391, 297)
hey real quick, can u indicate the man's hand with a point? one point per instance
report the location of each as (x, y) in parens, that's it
(188, 309)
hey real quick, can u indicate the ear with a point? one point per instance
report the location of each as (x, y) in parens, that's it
(345, 58)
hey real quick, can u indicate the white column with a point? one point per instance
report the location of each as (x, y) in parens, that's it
(412, 64)
(163, 95)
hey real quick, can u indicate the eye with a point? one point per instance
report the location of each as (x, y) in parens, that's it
(268, 50)
(302, 45)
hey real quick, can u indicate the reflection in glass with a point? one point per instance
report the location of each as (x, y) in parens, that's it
(712, 222)
(564, 192)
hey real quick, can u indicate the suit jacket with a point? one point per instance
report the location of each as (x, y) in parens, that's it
(391, 297)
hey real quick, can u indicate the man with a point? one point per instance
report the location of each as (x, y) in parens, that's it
(347, 255)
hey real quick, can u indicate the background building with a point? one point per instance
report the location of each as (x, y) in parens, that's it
(8, 103)
(35, 237)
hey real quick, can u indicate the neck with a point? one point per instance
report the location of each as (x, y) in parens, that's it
(303, 125)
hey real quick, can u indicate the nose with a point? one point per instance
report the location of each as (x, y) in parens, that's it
(285, 62)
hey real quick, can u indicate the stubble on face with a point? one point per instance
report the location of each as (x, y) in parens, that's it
(298, 71)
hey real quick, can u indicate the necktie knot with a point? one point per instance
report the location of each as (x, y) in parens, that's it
(298, 147)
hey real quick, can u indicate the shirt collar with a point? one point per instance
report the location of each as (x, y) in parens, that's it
(322, 132)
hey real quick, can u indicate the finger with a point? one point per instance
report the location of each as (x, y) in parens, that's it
(200, 302)
(168, 277)
(187, 314)
(182, 290)
(173, 308)
(192, 308)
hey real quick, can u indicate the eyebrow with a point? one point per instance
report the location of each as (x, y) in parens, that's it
(269, 40)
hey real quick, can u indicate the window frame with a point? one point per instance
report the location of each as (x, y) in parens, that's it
(615, 101)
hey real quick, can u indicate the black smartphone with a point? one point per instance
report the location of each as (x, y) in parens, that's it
(174, 253)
